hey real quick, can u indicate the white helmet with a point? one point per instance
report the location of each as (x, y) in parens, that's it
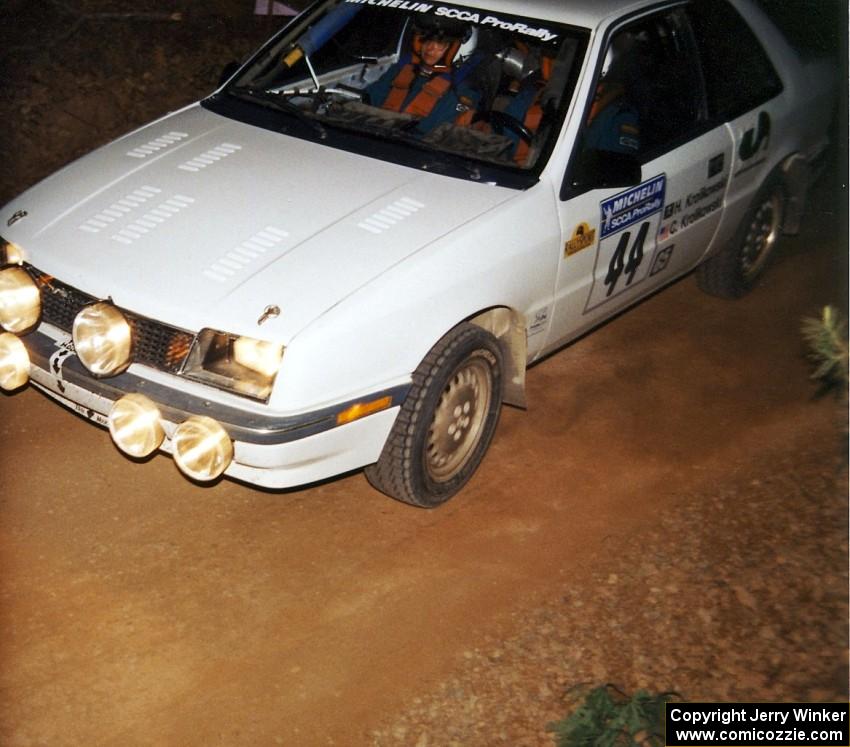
(467, 46)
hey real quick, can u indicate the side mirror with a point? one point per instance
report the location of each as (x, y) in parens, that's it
(227, 72)
(605, 169)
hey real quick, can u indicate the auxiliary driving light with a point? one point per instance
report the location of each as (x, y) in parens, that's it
(20, 300)
(135, 425)
(14, 362)
(103, 339)
(10, 254)
(202, 448)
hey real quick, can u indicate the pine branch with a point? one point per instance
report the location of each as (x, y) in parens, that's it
(826, 338)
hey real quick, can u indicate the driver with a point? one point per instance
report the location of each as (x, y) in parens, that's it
(428, 81)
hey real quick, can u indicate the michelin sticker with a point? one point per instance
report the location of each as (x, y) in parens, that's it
(460, 14)
(629, 224)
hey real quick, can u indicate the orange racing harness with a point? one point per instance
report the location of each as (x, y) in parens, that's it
(442, 79)
(534, 113)
(424, 101)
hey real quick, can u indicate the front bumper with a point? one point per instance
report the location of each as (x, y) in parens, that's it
(271, 450)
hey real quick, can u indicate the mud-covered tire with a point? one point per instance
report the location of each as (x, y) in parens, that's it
(735, 269)
(446, 422)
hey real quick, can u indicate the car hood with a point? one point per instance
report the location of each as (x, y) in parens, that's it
(201, 221)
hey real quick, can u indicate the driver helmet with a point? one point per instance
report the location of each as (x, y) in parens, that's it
(461, 38)
(521, 61)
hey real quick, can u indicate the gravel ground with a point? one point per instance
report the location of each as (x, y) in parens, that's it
(726, 599)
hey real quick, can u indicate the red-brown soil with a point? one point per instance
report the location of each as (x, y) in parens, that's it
(670, 513)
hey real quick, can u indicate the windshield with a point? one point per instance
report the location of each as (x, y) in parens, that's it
(479, 89)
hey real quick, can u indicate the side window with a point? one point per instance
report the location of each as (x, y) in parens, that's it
(738, 73)
(649, 96)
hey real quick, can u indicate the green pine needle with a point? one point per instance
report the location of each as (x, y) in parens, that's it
(826, 338)
(608, 718)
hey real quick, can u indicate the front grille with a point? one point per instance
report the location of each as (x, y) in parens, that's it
(159, 345)
(154, 344)
(60, 303)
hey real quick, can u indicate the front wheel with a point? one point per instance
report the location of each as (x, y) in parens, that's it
(733, 272)
(446, 422)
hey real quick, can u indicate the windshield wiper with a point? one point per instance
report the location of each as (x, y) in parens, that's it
(445, 163)
(273, 101)
(443, 160)
(434, 157)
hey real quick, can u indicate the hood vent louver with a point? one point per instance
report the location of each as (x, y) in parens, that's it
(207, 158)
(389, 216)
(122, 209)
(153, 218)
(245, 253)
(119, 209)
(157, 144)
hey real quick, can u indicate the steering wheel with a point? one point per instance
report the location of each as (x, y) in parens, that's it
(501, 121)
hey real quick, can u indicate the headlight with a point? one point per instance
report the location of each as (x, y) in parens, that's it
(10, 254)
(202, 448)
(20, 300)
(136, 425)
(103, 339)
(14, 362)
(240, 364)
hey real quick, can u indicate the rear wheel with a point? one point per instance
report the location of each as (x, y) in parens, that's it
(734, 271)
(446, 422)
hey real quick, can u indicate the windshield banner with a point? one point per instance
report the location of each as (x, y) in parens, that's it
(461, 14)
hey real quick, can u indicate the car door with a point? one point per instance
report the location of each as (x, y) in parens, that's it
(620, 244)
(742, 89)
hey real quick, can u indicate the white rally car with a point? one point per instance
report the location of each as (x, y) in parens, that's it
(348, 255)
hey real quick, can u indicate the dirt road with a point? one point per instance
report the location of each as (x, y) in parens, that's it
(139, 609)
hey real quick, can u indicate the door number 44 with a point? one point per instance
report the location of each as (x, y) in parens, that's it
(621, 264)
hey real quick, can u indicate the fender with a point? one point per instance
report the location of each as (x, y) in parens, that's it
(508, 327)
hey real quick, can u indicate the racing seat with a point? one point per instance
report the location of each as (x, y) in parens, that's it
(436, 93)
(526, 99)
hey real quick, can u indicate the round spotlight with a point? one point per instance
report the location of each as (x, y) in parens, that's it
(103, 339)
(20, 301)
(135, 425)
(14, 254)
(202, 448)
(14, 362)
